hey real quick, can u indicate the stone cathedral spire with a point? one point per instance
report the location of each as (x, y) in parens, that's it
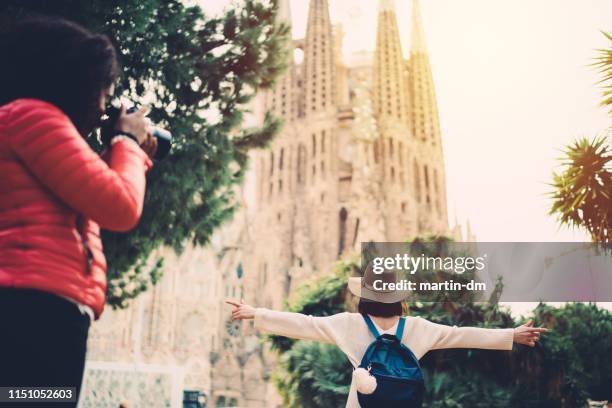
(319, 79)
(280, 99)
(390, 100)
(425, 127)
(424, 118)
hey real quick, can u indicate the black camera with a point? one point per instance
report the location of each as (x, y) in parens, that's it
(163, 136)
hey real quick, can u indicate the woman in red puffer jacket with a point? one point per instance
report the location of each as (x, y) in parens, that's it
(56, 193)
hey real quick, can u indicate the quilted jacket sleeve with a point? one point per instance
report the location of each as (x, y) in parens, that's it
(47, 142)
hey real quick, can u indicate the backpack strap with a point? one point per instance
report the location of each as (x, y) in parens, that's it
(371, 326)
(399, 333)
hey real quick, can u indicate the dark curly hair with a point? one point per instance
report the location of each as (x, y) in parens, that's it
(60, 62)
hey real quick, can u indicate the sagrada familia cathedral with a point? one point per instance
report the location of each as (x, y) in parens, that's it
(359, 159)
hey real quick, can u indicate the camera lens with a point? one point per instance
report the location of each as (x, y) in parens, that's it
(164, 142)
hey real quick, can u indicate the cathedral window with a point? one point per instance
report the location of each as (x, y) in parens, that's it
(426, 175)
(314, 145)
(280, 186)
(271, 163)
(322, 168)
(342, 230)
(323, 142)
(281, 159)
(392, 174)
(301, 164)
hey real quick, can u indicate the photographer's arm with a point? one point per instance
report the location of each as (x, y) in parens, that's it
(50, 146)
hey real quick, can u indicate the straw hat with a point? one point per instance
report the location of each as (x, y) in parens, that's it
(364, 287)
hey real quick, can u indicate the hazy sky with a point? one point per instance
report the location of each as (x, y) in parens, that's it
(513, 86)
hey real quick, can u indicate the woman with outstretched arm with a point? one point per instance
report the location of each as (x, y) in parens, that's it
(354, 333)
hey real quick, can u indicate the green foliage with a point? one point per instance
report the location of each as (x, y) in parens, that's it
(474, 390)
(581, 345)
(313, 375)
(582, 195)
(583, 191)
(197, 73)
(571, 363)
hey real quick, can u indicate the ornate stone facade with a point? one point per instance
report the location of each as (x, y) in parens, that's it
(359, 158)
(161, 345)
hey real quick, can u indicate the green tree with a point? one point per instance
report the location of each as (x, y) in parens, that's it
(582, 195)
(198, 73)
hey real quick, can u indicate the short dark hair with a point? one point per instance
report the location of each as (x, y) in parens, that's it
(60, 62)
(380, 309)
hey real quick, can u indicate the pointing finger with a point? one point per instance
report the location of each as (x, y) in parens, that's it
(538, 329)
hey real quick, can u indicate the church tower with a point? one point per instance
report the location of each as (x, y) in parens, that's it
(424, 118)
(394, 145)
(349, 166)
(319, 77)
(280, 100)
(428, 167)
(390, 101)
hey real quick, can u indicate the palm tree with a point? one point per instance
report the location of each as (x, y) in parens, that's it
(583, 191)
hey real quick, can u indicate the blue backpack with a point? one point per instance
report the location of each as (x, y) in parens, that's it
(398, 374)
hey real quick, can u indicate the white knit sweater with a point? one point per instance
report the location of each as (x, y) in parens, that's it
(350, 333)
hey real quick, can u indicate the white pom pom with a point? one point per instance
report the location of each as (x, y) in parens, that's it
(366, 383)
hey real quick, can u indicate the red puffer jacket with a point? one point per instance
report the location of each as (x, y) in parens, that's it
(55, 194)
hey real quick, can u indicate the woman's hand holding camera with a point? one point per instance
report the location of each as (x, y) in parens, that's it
(138, 125)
